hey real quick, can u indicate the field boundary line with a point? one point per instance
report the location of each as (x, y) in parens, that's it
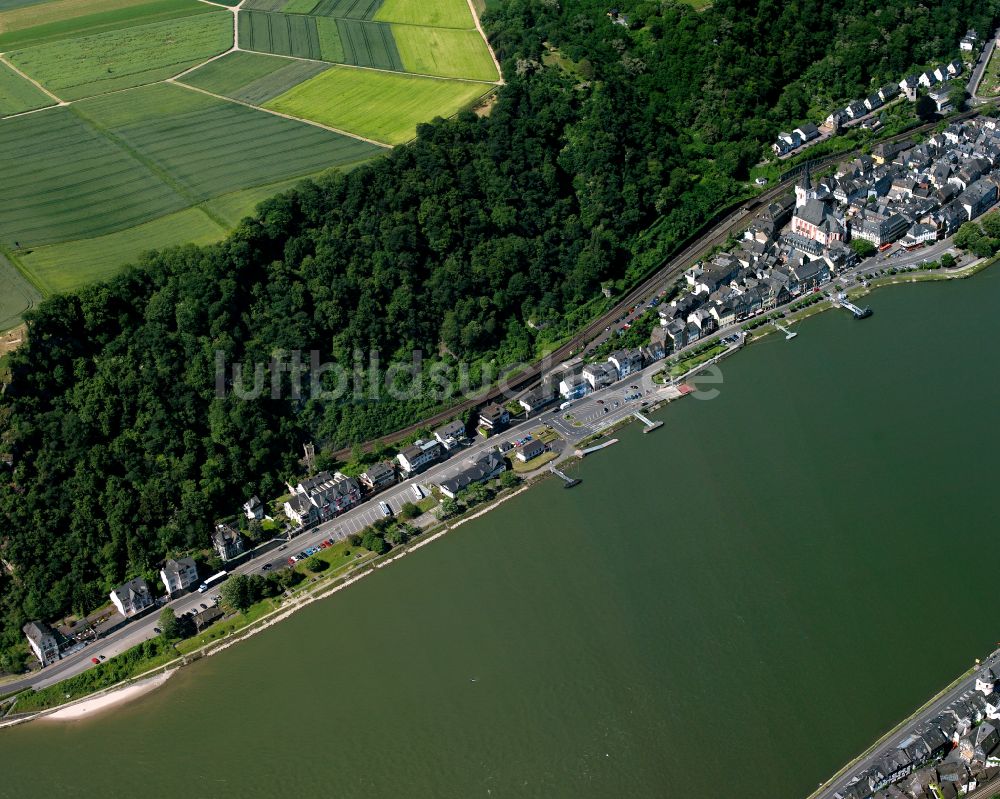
(31, 80)
(479, 27)
(280, 114)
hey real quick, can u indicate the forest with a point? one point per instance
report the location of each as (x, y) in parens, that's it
(482, 241)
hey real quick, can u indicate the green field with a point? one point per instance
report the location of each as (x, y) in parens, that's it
(121, 59)
(62, 180)
(344, 9)
(17, 295)
(369, 44)
(436, 13)
(29, 30)
(18, 95)
(444, 51)
(282, 34)
(218, 147)
(383, 106)
(252, 77)
(102, 257)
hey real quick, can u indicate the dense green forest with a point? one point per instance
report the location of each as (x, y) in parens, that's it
(460, 244)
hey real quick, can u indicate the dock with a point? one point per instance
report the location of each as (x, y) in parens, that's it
(789, 335)
(584, 452)
(859, 313)
(570, 482)
(650, 425)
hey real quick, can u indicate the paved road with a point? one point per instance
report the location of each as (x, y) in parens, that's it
(972, 87)
(890, 740)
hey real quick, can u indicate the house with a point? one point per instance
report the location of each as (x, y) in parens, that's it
(908, 86)
(626, 362)
(888, 92)
(968, 42)
(228, 542)
(178, 575)
(530, 451)
(807, 132)
(836, 119)
(987, 679)
(535, 401)
(857, 109)
(254, 509)
(887, 151)
(378, 476)
(418, 456)
(322, 497)
(572, 386)
(942, 100)
(677, 333)
(786, 143)
(927, 79)
(955, 68)
(43, 641)
(207, 617)
(132, 597)
(599, 375)
(488, 466)
(879, 226)
(810, 273)
(873, 102)
(452, 435)
(979, 197)
(494, 417)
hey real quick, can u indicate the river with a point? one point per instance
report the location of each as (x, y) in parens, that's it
(733, 605)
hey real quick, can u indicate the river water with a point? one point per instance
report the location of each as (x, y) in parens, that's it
(733, 605)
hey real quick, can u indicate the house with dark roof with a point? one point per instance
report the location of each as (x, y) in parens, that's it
(530, 450)
(479, 471)
(179, 575)
(378, 476)
(227, 540)
(132, 597)
(452, 435)
(43, 640)
(494, 417)
(254, 509)
(419, 455)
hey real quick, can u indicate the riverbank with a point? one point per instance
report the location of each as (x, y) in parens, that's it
(323, 586)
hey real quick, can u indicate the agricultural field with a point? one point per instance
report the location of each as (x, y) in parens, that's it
(18, 95)
(444, 51)
(77, 68)
(252, 77)
(102, 257)
(384, 106)
(166, 130)
(65, 19)
(435, 13)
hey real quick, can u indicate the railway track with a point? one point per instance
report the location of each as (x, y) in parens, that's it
(735, 218)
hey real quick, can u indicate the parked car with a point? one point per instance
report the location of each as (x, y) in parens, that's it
(95, 661)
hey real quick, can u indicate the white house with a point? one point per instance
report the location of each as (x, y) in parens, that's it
(419, 454)
(43, 641)
(987, 679)
(254, 509)
(489, 465)
(132, 597)
(451, 435)
(530, 451)
(177, 575)
(626, 361)
(322, 497)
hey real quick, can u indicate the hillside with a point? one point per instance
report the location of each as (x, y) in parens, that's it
(450, 245)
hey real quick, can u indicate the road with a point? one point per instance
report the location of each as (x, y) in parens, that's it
(972, 87)
(888, 742)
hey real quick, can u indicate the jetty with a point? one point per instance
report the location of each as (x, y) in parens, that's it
(789, 335)
(650, 425)
(584, 452)
(859, 313)
(570, 482)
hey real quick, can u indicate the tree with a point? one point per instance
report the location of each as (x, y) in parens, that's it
(509, 479)
(397, 535)
(991, 224)
(237, 592)
(863, 248)
(354, 540)
(449, 507)
(170, 626)
(409, 511)
(316, 564)
(373, 542)
(968, 235)
(948, 260)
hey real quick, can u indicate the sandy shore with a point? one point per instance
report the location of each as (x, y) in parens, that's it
(90, 706)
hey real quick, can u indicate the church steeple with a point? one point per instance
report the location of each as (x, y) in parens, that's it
(803, 189)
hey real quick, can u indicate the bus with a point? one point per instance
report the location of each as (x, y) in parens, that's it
(215, 579)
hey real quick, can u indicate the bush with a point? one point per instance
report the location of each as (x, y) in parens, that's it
(374, 543)
(316, 564)
(354, 540)
(409, 511)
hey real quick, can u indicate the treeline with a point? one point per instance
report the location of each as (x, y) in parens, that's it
(480, 242)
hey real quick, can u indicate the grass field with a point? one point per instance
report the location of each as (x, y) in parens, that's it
(282, 34)
(121, 59)
(45, 24)
(369, 44)
(341, 9)
(17, 295)
(252, 77)
(444, 51)
(436, 13)
(17, 94)
(62, 180)
(217, 147)
(383, 106)
(101, 257)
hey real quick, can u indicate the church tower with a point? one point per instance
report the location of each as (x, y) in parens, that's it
(803, 189)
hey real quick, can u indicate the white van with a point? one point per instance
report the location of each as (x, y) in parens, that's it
(386, 510)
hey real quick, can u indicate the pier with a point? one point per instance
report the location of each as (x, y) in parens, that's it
(650, 425)
(789, 335)
(570, 482)
(584, 452)
(859, 313)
